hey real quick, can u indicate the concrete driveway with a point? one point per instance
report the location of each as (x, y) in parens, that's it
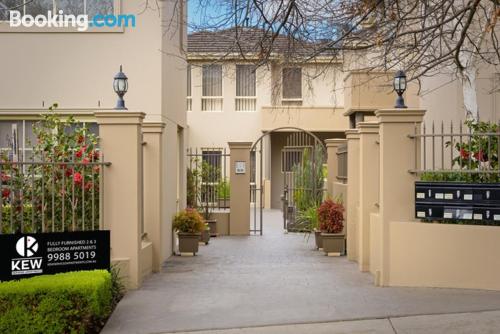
(274, 279)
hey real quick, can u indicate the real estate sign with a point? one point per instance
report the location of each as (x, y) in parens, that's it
(26, 255)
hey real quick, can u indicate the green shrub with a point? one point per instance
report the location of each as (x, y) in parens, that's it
(307, 219)
(223, 189)
(188, 221)
(12, 226)
(75, 302)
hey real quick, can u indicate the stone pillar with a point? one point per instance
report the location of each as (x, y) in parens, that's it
(153, 180)
(121, 143)
(397, 185)
(239, 219)
(352, 203)
(333, 162)
(368, 187)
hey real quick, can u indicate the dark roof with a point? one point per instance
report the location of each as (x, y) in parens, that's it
(248, 40)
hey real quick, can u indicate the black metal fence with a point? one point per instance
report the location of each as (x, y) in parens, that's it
(48, 196)
(470, 149)
(208, 178)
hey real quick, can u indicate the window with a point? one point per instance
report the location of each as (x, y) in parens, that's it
(189, 99)
(210, 174)
(17, 138)
(75, 7)
(245, 88)
(212, 88)
(292, 86)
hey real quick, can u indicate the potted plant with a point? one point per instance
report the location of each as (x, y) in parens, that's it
(188, 224)
(205, 235)
(307, 221)
(331, 224)
(223, 192)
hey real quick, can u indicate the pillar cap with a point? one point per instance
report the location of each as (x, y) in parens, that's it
(400, 115)
(368, 127)
(334, 142)
(240, 144)
(153, 127)
(119, 117)
(352, 134)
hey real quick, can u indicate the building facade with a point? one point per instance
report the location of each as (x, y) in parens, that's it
(232, 97)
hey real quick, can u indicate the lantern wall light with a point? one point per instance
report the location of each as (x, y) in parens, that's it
(120, 85)
(400, 87)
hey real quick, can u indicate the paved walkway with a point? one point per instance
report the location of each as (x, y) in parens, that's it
(278, 279)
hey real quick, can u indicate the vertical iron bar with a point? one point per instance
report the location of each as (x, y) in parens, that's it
(461, 129)
(83, 197)
(470, 149)
(433, 147)
(43, 191)
(32, 167)
(53, 194)
(424, 139)
(452, 143)
(93, 167)
(21, 193)
(442, 145)
(261, 187)
(63, 198)
(73, 200)
(101, 192)
(11, 199)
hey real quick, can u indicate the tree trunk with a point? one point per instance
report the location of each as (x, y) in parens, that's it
(468, 77)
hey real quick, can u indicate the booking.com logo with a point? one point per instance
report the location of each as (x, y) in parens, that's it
(61, 20)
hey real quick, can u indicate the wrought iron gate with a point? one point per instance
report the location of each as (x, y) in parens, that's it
(302, 160)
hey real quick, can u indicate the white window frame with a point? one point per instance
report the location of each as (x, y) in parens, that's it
(292, 100)
(254, 98)
(117, 5)
(221, 97)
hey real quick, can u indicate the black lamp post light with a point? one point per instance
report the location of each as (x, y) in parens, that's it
(400, 87)
(120, 85)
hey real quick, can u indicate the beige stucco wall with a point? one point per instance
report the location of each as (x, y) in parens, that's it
(441, 255)
(442, 97)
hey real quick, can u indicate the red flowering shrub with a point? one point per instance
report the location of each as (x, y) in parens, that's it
(331, 216)
(63, 189)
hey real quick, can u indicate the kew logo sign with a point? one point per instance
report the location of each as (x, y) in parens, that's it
(27, 248)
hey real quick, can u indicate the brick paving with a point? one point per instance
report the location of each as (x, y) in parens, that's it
(274, 279)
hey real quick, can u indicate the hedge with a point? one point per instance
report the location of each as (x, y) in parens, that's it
(76, 302)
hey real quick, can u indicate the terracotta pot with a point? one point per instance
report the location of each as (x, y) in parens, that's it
(333, 243)
(318, 239)
(212, 223)
(188, 242)
(205, 236)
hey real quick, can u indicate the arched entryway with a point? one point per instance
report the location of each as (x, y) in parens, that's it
(291, 168)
